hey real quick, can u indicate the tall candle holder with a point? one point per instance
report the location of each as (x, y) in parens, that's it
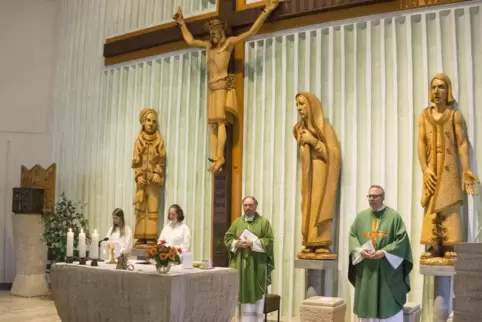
(82, 261)
(70, 260)
(93, 262)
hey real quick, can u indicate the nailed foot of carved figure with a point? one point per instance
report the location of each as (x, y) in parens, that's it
(218, 165)
(318, 253)
(211, 166)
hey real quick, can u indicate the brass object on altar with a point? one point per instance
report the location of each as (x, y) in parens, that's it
(148, 162)
(442, 143)
(112, 256)
(122, 263)
(222, 102)
(320, 163)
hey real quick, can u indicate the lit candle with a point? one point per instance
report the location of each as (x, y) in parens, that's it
(70, 243)
(82, 244)
(94, 246)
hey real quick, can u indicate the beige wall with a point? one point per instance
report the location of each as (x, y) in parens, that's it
(28, 31)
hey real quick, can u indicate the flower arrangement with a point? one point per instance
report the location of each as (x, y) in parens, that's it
(164, 255)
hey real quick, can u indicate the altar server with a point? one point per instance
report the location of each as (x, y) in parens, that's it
(119, 232)
(249, 241)
(176, 233)
(381, 261)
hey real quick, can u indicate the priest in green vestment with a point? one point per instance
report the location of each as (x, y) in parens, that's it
(380, 261)
(249, 241)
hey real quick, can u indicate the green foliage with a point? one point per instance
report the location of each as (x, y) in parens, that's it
(67, 214)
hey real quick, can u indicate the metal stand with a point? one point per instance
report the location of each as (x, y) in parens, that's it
(443, 290)
(319, 276)
(70, 260)
(82, 261)
(93, 262)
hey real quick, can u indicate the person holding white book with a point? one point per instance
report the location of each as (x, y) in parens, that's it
(381, 261)
(249, 241)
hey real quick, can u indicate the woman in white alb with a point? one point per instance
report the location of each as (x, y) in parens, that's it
(176, 233)
(119, 232)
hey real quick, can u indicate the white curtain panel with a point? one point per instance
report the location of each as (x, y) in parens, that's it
(372, 76)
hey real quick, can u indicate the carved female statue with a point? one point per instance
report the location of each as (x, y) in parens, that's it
(148, 164)
(320, 171)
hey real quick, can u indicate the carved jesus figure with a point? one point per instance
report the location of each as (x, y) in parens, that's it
(221, 95)
(441, 141)
(320, 171)
(148, 164)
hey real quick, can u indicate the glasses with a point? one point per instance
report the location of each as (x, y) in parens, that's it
(373, 196)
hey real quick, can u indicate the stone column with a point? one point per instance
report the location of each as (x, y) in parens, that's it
(443, 293)
(30, 252)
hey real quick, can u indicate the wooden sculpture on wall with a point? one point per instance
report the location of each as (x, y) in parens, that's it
(320, 163)
(148, 164)
(441, 141)
(222, 106)
(38, 177)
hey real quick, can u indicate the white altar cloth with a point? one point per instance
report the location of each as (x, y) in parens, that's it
(86, 293)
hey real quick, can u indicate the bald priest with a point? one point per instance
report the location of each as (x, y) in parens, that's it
(381, 261)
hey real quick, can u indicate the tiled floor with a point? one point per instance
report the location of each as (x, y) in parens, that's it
(18, 309)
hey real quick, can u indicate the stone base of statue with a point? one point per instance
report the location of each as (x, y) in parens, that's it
(320, 276)
(437, 261)
(316, 253)
(443, 290)
(468, 283)
(30, 255)
(411, 312)
(323, 309)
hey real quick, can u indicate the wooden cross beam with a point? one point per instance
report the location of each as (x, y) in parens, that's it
(226, 11)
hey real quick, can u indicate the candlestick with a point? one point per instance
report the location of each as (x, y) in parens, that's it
(82, 244)
(70, 246)
(94, 246)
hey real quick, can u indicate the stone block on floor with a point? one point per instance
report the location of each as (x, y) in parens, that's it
(411, 312)
(323, 309)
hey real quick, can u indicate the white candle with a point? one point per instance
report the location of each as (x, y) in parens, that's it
(82, 244)
(94, 246)
(70, 243)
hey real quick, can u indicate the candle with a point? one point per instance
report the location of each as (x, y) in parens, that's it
(94, 246)
(70, 243)
(82, 244)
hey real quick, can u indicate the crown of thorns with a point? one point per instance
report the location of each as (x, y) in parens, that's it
(215, 24)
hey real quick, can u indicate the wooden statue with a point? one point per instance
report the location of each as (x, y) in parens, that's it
(222, 105)
(320, 163)
(148, 164)
(38, 177)
(441, 140)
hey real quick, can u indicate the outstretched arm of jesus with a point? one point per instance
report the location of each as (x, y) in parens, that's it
(186, 34)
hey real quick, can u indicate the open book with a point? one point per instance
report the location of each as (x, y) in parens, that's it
(248, 235)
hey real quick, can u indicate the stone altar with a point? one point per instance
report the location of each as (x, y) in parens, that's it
(468, 283)
(85, 293)
(411, 312)
(316, 273)
(443, 290)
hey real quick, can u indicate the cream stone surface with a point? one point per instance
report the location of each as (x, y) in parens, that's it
(323, 309)
(85, 293)
(30, 256)
(411, 312)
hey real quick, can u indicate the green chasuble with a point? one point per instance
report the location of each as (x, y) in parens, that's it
(255, 267)
(380, 290)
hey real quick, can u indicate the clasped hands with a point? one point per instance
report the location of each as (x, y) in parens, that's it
(365, 253)
(244, 243)
(155, 179)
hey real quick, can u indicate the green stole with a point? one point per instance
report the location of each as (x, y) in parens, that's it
(380, 290)
(254, 267)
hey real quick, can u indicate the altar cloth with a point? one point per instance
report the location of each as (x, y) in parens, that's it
(85, 293)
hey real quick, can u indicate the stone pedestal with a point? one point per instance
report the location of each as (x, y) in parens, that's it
(322, 309)
(320, 276)
(411, 312)
(30, 256)
(468, 283)
(443, 290)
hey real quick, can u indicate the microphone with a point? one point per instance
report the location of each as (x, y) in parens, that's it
(103, 240)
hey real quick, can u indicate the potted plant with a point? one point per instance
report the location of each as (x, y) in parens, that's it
(66, 214)
(164, 256)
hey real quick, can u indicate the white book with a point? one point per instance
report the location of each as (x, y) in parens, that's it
(369, 246)
(248, 235)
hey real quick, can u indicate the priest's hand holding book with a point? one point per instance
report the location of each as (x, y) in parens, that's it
(244, 242)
